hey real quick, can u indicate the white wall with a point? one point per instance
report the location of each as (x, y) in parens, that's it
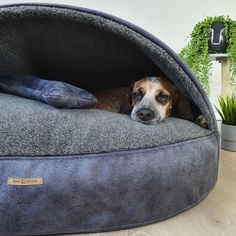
(170, 20)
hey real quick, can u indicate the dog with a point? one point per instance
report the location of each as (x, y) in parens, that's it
(149, 101)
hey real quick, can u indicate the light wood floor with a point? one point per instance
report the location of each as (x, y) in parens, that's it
(215, 216)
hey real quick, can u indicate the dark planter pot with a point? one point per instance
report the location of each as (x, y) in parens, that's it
(217, 40)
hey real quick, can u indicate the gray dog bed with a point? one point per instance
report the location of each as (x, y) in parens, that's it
(95, 170)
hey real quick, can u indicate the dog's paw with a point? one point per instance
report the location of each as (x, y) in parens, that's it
(201, 121)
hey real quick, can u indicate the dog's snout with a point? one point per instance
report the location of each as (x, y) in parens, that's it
(145, 114)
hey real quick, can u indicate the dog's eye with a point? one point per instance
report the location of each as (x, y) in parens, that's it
(163, 99)
(137, 94)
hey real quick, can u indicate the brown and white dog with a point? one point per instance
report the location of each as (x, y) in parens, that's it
(149, 100)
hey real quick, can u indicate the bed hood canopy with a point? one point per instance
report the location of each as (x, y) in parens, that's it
(89, 49)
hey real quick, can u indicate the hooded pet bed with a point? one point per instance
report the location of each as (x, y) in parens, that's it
(94, 170)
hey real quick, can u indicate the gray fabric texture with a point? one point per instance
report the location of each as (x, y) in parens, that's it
(31, 128)
(101, 192)
(87, 50)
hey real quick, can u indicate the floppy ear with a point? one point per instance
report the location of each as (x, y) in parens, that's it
(173, 90)
(176, 96)
(172, 101)
(129, 94)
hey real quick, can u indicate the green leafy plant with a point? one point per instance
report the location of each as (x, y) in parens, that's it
(228, 109)
(196, 54)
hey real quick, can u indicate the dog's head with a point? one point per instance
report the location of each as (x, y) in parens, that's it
(151, 99)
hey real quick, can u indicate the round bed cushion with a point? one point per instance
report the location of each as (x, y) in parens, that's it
(98, 170)
(31, 128)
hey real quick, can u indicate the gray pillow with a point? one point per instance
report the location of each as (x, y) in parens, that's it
(55, 93)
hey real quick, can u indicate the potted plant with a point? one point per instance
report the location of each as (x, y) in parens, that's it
(196, 53)
(228, 126)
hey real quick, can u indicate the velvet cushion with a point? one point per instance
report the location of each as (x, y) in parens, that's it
(55, 93)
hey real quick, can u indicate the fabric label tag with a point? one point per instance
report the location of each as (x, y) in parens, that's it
(25, 181)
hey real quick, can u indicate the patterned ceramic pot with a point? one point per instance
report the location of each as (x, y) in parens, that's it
(217, 40)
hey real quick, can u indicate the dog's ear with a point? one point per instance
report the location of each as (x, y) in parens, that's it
(129, 94)
(176, 96)
(173, 90)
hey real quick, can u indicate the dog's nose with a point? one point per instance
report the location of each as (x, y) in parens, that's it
(145, 114)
